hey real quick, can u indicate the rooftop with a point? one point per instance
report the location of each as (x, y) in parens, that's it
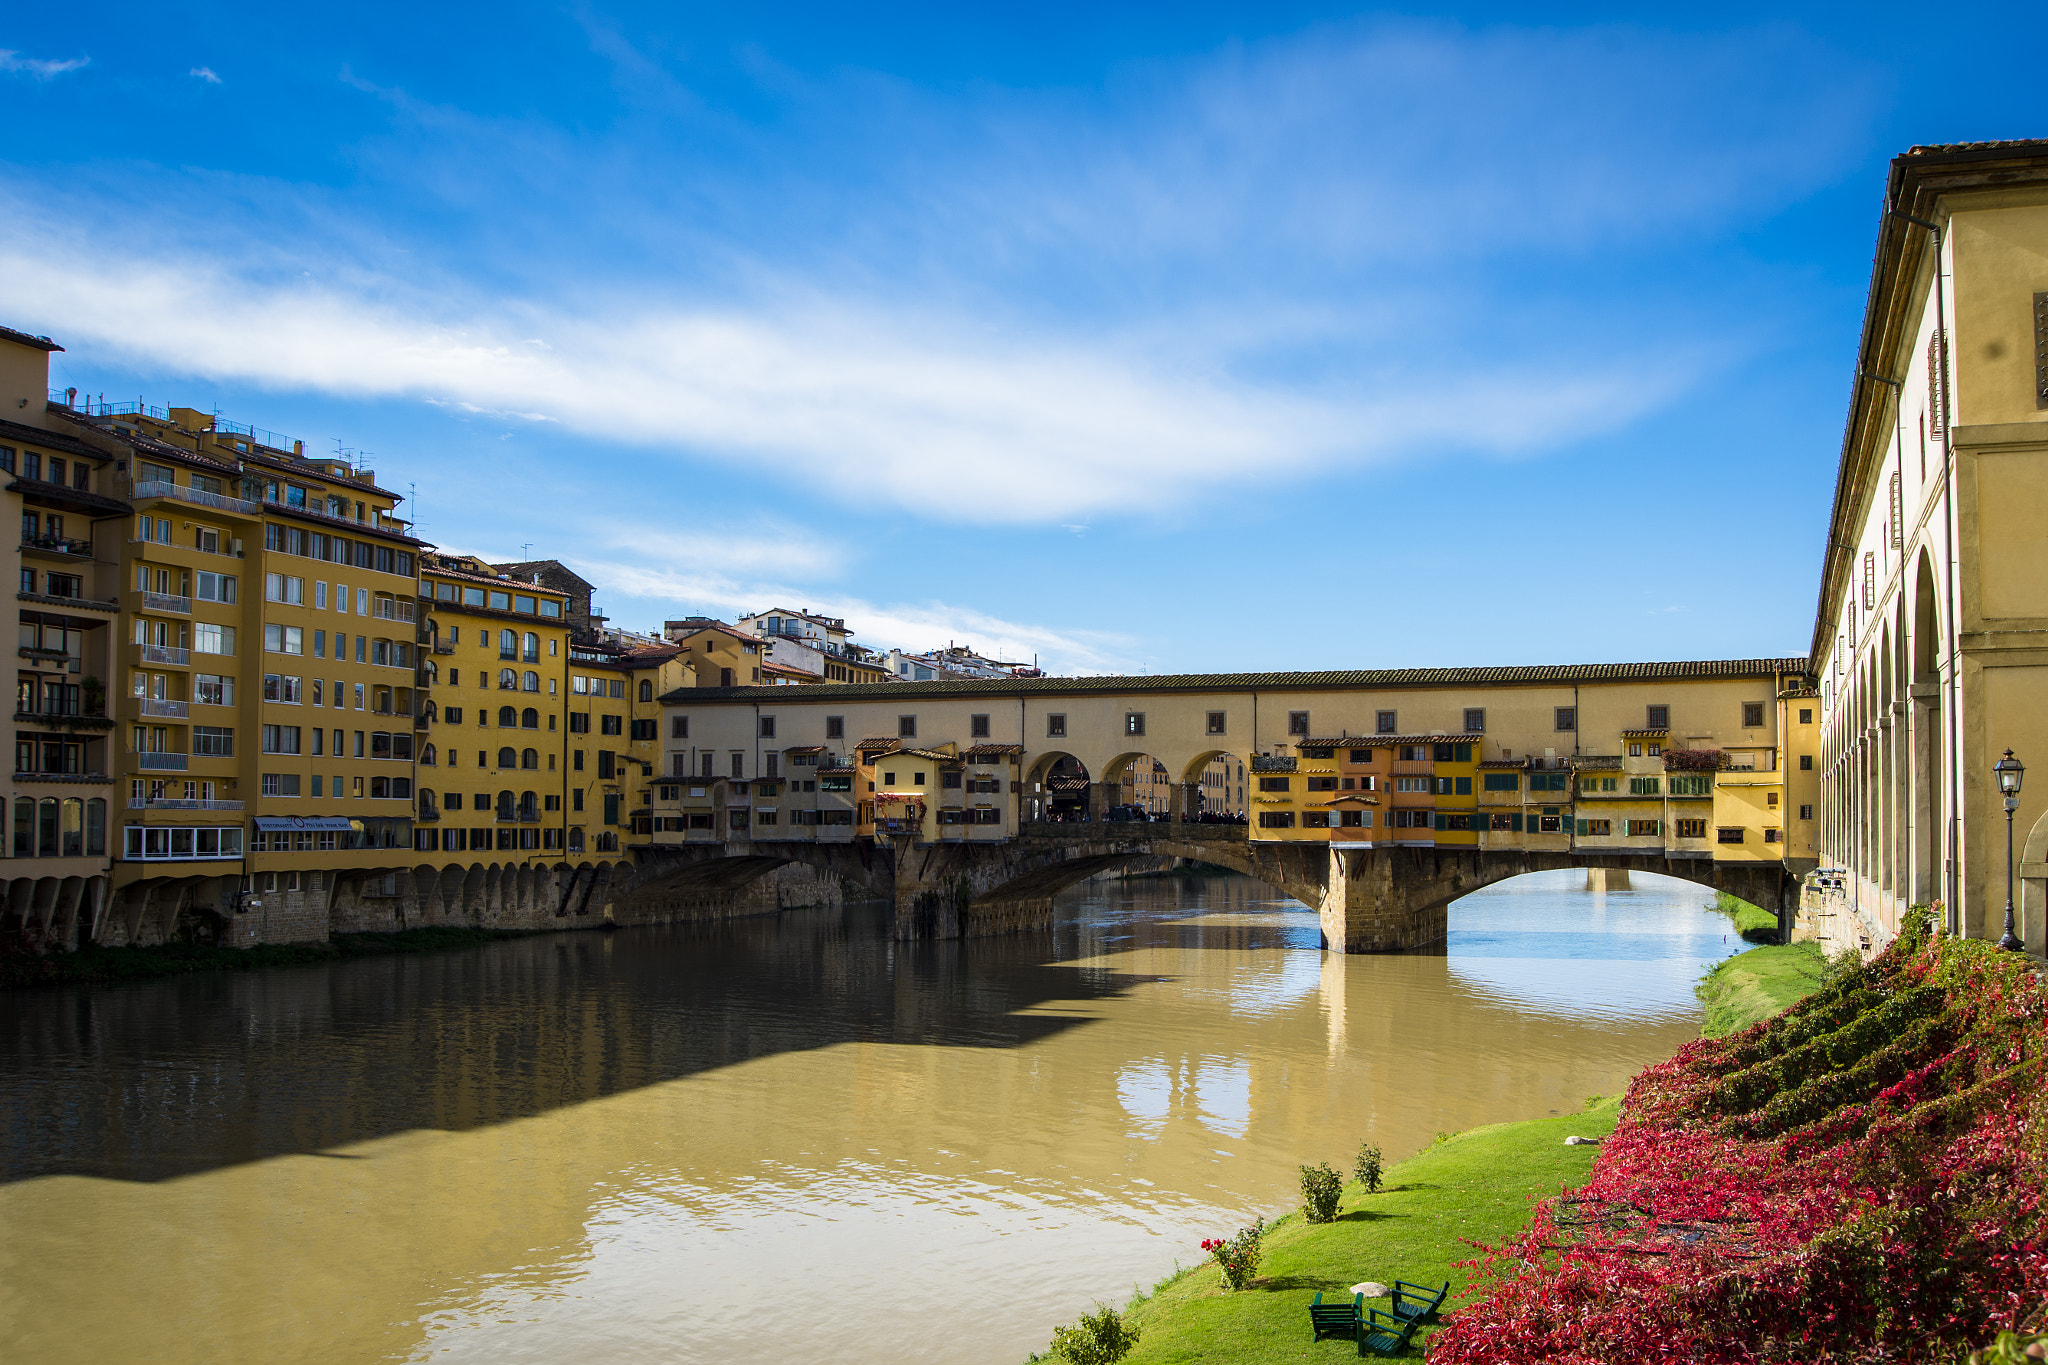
(1559, 675)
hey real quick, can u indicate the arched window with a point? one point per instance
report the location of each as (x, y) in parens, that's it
(529, 719)
(530, 682)
(529, 759)
(508, 758)
(506, 810)
(74, 827)
(46, 827)
(432, 671)
(529, 806)
(508, 645)
(646, 689)
(427, 755)
(95, 827)
(508, 681)
(531, 648)
(24, 827)
(507, 717)
(426, 799)
(429, 710)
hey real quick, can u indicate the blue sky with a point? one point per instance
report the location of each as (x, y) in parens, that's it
(1142, 338)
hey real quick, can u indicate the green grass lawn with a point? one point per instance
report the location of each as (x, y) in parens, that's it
(1754, 924)
(1477, 1185)
(1757, 984)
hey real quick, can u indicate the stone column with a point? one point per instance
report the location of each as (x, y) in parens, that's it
(1375, 900)
(1184, 800)
(1101, 796)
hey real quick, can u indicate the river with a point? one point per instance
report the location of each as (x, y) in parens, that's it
(772, 1139)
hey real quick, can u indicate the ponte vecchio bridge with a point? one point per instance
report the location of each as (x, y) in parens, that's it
(1376, 797)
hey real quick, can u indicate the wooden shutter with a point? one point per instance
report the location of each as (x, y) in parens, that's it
(1937, 390)
(1898, 516)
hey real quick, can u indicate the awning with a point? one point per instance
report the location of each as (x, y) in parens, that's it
(321, 824)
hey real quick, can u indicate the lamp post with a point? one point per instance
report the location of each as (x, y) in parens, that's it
(2009, 771)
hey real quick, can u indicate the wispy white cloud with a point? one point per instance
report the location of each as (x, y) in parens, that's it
(1270, 264)
(39, 68)
(205, 73)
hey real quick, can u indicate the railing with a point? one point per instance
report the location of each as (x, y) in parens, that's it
(30, 776)
(274, 440)
(166, 654)
(165, 763)
(391, 609)
(175, 710)
(166, 601)
(525, 817)
(62, 545)
(92, 409)
(427, 813)
(441, 647)
(171, 803)
(157, 488)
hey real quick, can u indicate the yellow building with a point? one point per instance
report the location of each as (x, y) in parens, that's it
(493, 677)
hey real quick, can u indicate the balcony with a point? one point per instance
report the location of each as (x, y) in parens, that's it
(220, 502)
(443, 647)
(63, 720)
(525, 817)
(166, 654)
(170, 710)
(58, 545)
(427, 813)
(162, 763)
(171, 803)
(99, 779)
(166, 601)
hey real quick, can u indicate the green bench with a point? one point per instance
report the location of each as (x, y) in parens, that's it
(1336, 1319)
(1418, 1303)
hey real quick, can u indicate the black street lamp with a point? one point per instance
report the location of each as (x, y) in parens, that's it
(2009, 771)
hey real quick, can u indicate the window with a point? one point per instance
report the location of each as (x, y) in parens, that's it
(611, 725)
(1806, 715)
(906, 727)
(280, 784)
(529, 758)
(767, 727)
(208, 638)
(284, 639)
(280, 687)
(508, 758)
(1597, 828)
(1638, 829)
(1412, 784)
(1503, 782)
(1276, 819)
(1689, 829)
(508, 681)
(1806, 812)
(212, 689)
(1567, 718)
(977, 727)
(529, 681)
(835, 728)
(1475, 720)
(508, 641)
(679, 726)
(1134, 722)
(1728, 835)
(646, 730)
(579, 724)
(1644, 786)
(1322, 784)
(1772, 836)
(1752, 714)
(1297, 722)
(1386, 723)
(213, 741)
(529, 643)
(1692, 784)
(1216, 719)
(1806, 763)
(1056, 727)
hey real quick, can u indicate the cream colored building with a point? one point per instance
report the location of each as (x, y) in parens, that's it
(1929, 642)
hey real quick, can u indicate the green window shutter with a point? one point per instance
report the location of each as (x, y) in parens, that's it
(1516, 823)
(1582, 826)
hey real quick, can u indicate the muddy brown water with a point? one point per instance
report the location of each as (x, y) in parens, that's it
(772, 1139)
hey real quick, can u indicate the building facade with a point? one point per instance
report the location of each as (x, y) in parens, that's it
(1934, 592)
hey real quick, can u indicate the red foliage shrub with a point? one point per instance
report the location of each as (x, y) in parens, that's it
(1858, 1179)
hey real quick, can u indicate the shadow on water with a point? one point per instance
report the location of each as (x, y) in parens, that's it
(194, 1073)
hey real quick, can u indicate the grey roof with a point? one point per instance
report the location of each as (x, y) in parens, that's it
(1381, 678)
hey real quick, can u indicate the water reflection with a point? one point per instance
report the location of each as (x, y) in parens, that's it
(646, 1147)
